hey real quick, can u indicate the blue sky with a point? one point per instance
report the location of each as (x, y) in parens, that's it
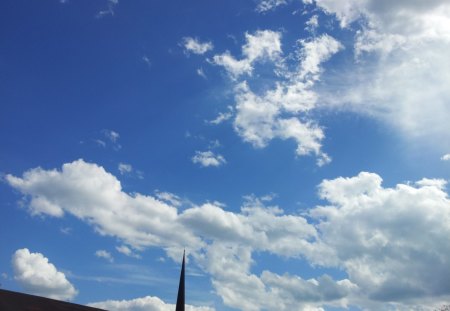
(298, 150)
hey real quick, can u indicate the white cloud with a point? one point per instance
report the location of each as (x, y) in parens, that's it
(230, 266)
(312, 24)
(201, 73)
(275, 113)
(260, 46)
(208, 158)
(168, 197)
(101, 253)
(100, 142)
(111, 135)
(391, 242)
(223, 116)
(147, 60)
(401, 63)
(38, 276)
(91, 194)
(66, 230)
(268, 5)
(234, 67)
(110, 138)
(125, 168)
(110, 10)
(446, 157)
(147, 303)
(314, 53)
(193, 45)
(123, 249)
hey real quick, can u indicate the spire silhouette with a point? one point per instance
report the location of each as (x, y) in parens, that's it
(180, 298)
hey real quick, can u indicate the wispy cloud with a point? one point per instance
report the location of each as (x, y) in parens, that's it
(222, 116)
(201, 73)
(268, 5)
(312, 24)
(108, 138)
(171, 198)
(397, 48)
(111, 5)
(193, 45)
(279, 111)
(208, 158)
(125, 168)
(125, 250)
(66, 230)
(147, 61)
(104, 254)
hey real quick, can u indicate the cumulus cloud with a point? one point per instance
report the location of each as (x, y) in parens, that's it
(147, 303)
(280, 112)
(193, 45)
(101, 253)
(93, 195)
(38, 276)
(401, 63)
(260, 46)
(208, 158)
(392, 242)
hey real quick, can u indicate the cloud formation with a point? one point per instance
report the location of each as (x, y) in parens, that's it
(147, 303)
(280, 112)
(401, 63)
(208, 158)
(268, 5)
(125, 168)
(110, 10)
(193, 45)
(391, 242)
(38, 276)
(93, 195)
(263, 45)
(101, 253)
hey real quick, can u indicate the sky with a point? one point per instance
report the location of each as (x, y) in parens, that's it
(299, 151)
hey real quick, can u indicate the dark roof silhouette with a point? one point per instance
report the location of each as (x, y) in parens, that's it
(14, 301)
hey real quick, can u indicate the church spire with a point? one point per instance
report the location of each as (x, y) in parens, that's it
(180, 298)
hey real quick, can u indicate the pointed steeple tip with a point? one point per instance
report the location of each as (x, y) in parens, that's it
(180, 297)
